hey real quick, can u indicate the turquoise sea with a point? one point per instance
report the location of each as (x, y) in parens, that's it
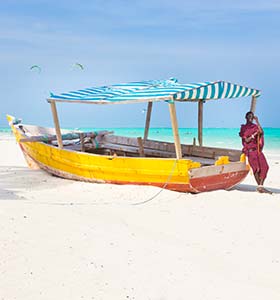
(215, 137)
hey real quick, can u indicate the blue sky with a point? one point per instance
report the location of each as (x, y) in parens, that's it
(122, 41)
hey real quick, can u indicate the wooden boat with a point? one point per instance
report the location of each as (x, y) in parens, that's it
(107, 158)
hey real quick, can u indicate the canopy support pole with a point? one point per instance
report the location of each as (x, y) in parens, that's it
(200, 122)
(141, 147)
(174, 122)
(56, 124)
(148, 118)
(253, 104)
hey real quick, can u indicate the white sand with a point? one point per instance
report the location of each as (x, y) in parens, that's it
(63, 239)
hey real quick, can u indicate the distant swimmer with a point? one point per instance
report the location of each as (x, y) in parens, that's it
(253, 141)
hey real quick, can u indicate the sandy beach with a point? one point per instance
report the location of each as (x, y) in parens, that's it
(63, 239)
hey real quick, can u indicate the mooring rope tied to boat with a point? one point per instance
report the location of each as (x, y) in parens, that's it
(162, 188)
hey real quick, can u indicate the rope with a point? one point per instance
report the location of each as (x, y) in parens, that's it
(162, 188)
(96, 143)
(45, 138)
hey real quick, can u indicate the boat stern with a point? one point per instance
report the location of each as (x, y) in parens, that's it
(220, 176)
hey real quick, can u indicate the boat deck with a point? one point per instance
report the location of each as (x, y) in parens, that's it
(106, 143)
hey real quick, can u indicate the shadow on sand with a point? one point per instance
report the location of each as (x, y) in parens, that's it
(15, 179)
(252, 188)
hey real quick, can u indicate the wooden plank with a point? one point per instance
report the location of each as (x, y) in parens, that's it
(148, 119)
(66, 136)
(214, 170)
(174, 123)
(47, 138)
(56, 123)
(73, 147)
(135, 150)
(207, 152)
(151, 152)
(141, 148)
(211, 152)
(164, 146)
(200, 121)
(82, 142)
(253, 104)
(34, 130)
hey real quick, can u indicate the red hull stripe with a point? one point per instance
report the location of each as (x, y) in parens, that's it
(197, 185)
(217, 182)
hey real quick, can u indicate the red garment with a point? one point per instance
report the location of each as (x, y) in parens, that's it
(253, 149)
(248, 130)
(258, 163)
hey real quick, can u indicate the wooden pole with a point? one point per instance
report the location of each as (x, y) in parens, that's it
(56, 124)
(253, 104)
(148, 118)
(174, 122)
(82, 142)
(141, 147)
(200, 122)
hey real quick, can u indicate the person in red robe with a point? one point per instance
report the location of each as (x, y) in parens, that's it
(253, 141)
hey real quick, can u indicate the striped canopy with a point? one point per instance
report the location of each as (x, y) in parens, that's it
(156, 90)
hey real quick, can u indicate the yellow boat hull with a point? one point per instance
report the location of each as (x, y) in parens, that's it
(167, 173)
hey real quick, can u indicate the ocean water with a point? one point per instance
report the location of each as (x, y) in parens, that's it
(215, 137)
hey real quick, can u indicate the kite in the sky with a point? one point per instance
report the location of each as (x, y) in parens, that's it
(36, 67)
(77, 65)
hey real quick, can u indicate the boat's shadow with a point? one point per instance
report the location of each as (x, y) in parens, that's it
(252, 188)
(14, 179)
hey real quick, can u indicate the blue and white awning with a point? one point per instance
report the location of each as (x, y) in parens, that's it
(156, 90)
